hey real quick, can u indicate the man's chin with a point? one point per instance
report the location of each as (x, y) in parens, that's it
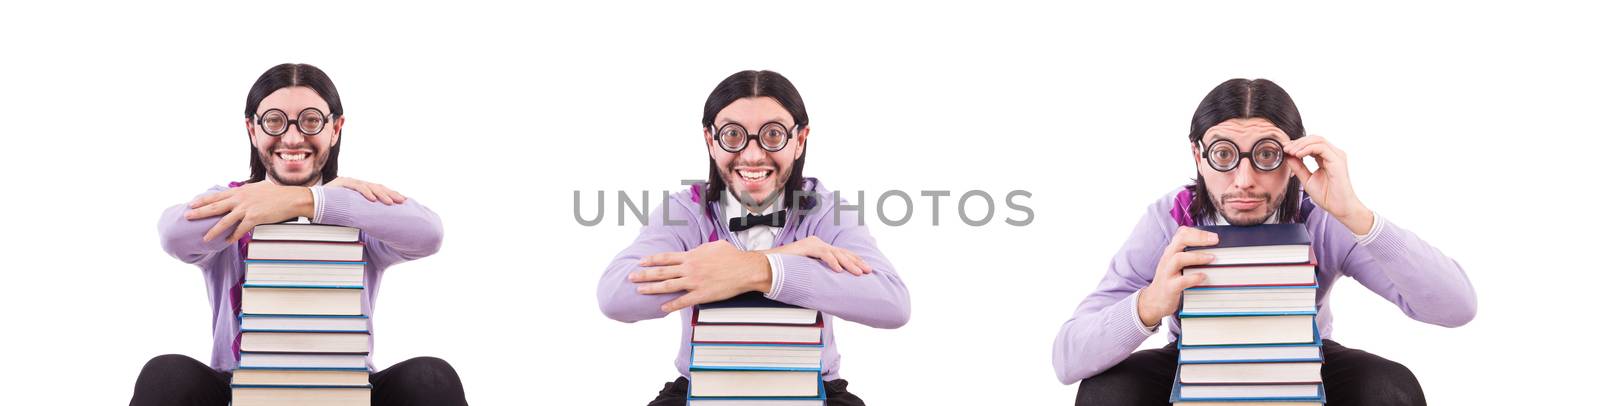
(292, 180)
(1246, 219)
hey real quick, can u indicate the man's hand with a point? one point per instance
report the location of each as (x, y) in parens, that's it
(1161, 297)
(839, 259)
(1329, 186)
(251, 205)
(711, 272)
(372, 191)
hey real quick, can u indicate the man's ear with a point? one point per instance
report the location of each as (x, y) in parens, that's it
(707, 132)
(250, 131)
(800, 139)
(338, 128)
(1194, 148)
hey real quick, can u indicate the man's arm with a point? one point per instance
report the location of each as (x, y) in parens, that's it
(878, 299)
(1394, 263)
(619, 298)
(1106, 327)
(393, 233)
(1390, 261)
(181, 237)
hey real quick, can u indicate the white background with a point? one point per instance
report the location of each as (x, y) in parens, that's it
(1472, 126)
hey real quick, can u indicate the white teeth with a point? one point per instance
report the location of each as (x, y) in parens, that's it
(292, 157)
(754, 175)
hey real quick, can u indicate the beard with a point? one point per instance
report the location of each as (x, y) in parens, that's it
(312, 177)
(1243, 219)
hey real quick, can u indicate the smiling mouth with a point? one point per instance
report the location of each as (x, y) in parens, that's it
(754, 175)
(291, 156)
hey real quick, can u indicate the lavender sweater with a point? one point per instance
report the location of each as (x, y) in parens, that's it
(1392, 262)
(392, 234)
(878, 299)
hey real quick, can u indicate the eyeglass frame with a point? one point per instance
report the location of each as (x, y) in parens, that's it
(787, 135)
(326, 118)
(1205, 151)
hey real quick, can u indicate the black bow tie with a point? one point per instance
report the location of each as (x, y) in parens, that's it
(738, 224)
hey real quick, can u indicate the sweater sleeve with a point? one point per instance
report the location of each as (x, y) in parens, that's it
(619, 298)
(1394, 263)
(393, 234)
(180, 237)
(878, 299)
(1106, 328)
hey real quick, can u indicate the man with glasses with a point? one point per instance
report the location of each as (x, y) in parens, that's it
(294, 120)
(1145, 284)
(756, 227)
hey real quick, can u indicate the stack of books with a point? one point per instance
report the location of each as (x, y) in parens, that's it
(1250, 331)
(750, 350)
(305, 338)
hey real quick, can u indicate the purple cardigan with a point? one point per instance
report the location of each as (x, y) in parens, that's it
(393, 234)
(878, 299)
(1423, 282)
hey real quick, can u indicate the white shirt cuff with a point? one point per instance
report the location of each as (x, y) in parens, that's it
(775, 264)
(316, 204)
(1377, 226)
(1147, 330)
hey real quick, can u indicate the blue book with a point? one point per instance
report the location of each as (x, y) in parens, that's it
(1241, 353)
(707, 392)
(303, 323)
(1311, 393)
(754, 308)
(755, 357)
(1249, 301)
(1260, 244)
(300, 378)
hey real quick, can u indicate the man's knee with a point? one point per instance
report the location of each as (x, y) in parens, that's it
(427, 375)
(176, 379)
(1128, 383)
(1386, 383)
(167, 367)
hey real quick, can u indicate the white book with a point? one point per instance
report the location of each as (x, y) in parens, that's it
(1251, 373)
(302, 396)
(754, 383)
(1289, 329)
(1250, 353)
(745, 333)
(1254, 275)
(756, 356)
(1248, 391)
(299, 377)
(1214, 301)
(305, 250)
(343, 343)
(297, 360)
(304, 301)
(306, 273)
(305, 231)
(251, 322)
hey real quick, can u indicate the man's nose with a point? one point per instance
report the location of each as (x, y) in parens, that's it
(1244, 177)
(292, 137)
(752, 152)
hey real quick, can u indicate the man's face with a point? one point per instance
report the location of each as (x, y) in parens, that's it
(753, 174)
(294, 158)
(1245, 195)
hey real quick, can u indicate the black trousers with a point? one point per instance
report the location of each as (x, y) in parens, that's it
(173, 379)
(676, 393)
(1349, 377)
